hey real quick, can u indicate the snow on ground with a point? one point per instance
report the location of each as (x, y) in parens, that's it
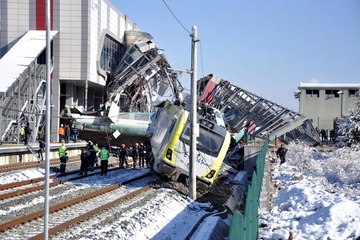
(169, 215)
(17, 176)
(318, 196)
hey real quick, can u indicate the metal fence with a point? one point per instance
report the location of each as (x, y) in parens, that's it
(245, 225)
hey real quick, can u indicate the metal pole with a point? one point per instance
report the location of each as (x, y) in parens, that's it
(47, 124)
(341, 93)
(341, 105)
(193, 114)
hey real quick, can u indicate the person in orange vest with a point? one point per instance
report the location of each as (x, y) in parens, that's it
(61, 133)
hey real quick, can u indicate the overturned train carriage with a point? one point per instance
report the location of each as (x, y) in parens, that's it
(169, 135)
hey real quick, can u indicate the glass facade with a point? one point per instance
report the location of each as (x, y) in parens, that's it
(111, 54)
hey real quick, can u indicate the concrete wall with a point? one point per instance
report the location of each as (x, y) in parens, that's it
(19, 153)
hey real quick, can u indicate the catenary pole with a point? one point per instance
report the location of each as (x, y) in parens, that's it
(193, 114)
(47, 124)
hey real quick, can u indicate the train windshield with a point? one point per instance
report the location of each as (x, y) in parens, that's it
(208, 142)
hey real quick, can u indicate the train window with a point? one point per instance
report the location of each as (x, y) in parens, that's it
(207, 142)
(124, 116)
(142, 117)
(164, 124)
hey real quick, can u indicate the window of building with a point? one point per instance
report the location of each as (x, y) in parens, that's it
(331, 93)
(312, 93)
(111, 54)
(353, 92)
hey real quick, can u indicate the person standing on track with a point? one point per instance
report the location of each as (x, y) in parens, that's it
(85, 158)
(135, 154)
(123, 156)
(142, 153)
(63, 154)
(92, 157)
(104, 157)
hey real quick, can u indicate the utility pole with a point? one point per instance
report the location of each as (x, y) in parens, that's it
(47, 122)
(193, 115)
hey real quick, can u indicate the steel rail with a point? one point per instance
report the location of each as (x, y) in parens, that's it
(95, 211)
(58, 207)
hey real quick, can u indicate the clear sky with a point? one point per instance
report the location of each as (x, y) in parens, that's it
(266, 47)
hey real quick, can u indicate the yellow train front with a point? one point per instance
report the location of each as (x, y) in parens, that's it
(170, 140)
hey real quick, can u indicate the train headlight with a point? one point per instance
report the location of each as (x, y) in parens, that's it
(169, 154)
(210, 174)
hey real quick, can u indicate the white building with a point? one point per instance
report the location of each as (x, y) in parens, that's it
(88, 42)
(324, 102)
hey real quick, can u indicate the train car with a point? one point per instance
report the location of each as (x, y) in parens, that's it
(170, 136)
(124, 128)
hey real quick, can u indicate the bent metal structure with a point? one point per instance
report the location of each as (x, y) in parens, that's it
(142, 77)
(257, 116)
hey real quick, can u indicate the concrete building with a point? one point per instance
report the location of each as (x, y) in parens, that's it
(88, 42)
(323, 102)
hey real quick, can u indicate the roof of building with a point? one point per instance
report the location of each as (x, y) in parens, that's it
(329, 85)
(21, 55)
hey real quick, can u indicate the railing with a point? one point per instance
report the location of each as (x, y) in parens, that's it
(25, 97)
(245, 225)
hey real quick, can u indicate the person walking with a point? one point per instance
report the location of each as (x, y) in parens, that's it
(135, 154)
(104, 157)
(123, 156)
(281, 153)
(63, 154)
(84, 157)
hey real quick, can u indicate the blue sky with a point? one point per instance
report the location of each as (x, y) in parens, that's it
(266, 47)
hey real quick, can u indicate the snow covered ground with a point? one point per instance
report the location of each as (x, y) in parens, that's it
(317, 197)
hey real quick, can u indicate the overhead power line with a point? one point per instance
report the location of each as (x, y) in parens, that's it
(177, 19)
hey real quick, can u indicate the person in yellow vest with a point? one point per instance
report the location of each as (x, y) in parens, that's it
(104, 158)
(63, 154)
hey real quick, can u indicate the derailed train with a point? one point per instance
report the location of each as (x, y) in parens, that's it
(169, 135)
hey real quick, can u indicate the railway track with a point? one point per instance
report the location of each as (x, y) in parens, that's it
(72, 211)
(24, 187)
(111, 215)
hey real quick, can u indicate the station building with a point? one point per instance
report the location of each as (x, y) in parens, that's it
(323, 103)
(88, 41)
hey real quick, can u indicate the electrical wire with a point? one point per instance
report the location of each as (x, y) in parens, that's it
(201, 60)
(177, 19)
(190, 34)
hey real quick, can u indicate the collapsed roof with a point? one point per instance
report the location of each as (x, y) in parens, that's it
(258, 116)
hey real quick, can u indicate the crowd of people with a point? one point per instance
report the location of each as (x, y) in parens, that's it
(92, 154)
(67, 133)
